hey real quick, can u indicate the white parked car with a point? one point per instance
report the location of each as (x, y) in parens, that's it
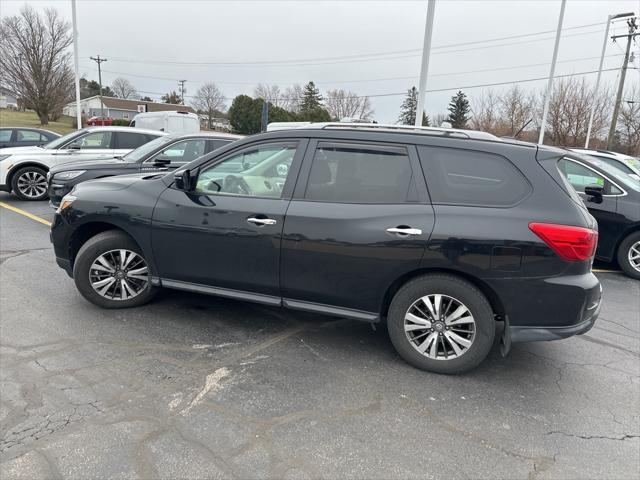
(625, 163)
(177, 123)
(23, 170)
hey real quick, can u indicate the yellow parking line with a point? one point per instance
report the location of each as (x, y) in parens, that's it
(25, 214)
(601, 270)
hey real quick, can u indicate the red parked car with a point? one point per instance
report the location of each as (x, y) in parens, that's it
(106, 121)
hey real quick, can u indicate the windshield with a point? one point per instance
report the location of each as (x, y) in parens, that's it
(142, 151)
(58, 142)
(617, 174)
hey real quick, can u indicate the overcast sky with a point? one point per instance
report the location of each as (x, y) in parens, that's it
(155, 43)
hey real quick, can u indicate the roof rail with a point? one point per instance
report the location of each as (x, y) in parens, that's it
(470, 134)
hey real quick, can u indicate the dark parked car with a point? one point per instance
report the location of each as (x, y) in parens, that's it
(440, 233)
(613, 198)
(167, 152)
(25, 137)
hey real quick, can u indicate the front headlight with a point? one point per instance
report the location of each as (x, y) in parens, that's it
(68, 175)
(4, 157)
(66, 202)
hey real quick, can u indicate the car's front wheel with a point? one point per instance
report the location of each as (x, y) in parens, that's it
(441, 323)
(629, 255)
(30, 183)
(111, 271)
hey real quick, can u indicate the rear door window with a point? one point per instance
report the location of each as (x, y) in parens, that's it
(469, 177)
(360, 173)
(27, 136)
(130, 140)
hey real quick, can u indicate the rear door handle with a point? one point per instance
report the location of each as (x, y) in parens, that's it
(261, 221)
(405, 230)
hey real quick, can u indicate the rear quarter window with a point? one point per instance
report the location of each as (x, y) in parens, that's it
(469, 177)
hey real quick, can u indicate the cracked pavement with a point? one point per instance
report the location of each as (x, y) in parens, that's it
(192, 386)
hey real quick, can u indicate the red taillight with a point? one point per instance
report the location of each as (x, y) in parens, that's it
(574, 244)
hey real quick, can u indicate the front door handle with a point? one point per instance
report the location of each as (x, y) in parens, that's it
(405, 231)
(261, 221)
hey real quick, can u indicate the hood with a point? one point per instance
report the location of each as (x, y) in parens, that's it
(13, 150)
(93, 165)
(119, 182)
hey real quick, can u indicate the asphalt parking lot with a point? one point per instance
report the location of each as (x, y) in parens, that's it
(200, 387)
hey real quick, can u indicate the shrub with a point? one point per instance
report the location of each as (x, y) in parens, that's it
(121, 122)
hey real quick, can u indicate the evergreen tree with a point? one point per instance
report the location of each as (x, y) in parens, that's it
(408, 109)
(458, 110)
(311, 98)
(172, 97)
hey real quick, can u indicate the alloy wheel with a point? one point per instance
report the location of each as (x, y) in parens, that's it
(119, 275)
(32, 184)
(633, 255)
(440, 327)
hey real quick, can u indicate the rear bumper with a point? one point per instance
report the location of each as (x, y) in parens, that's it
(552, 308)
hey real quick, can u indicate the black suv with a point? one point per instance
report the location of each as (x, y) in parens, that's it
(439, 233)
(166, 152)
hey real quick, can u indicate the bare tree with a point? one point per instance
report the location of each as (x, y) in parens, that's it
(34, 62)
(517, 110)
(569, 110)
(270, 93)
(292, 98)
(209, 100)
(485, 112)
(123, 88)
(342, 104)
(629, 122)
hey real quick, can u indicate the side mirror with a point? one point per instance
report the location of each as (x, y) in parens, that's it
(161, 161)
(594, 192)
(186, 180)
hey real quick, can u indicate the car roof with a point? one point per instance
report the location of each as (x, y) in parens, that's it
(602, 153)
(222, 135)
(124, 129)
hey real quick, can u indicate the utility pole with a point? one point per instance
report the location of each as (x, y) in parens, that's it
(633, 26)
(595, 89)
(547, 98)
(182, 82)
(99, 60)
(424, 69)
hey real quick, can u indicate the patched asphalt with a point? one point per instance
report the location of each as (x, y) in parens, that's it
(192, 386)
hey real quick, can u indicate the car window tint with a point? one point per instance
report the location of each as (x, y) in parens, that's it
(258, 171)
(216, 144)
(580, 176)
(96, 140)
(130, 140)
(5, 135)
(468, 177)
(43, 138)
(359, 173)
(183, 152)
(623, 167)
(27, 136)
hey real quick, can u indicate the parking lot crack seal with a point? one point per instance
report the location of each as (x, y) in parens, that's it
(593, 437)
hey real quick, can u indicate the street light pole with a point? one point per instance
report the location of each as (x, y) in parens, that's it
(424, 69)
(595, 89)
(76, 64)
(547, 99)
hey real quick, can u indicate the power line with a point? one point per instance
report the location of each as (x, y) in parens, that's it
(367, 56)
(382, 79)
(448, 89)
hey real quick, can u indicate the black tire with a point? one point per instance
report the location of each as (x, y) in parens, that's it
(629, 241)
(454, 287)
(94, 247)
(36, 172)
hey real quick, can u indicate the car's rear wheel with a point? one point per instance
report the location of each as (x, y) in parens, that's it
(30, 183)
(629, 255)
(111, 271)
(441, 323)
